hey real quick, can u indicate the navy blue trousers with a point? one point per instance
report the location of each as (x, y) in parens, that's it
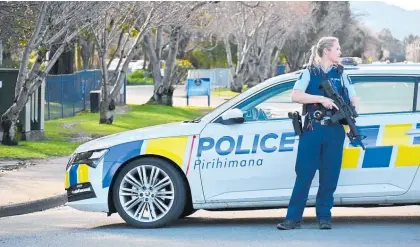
(320, 148)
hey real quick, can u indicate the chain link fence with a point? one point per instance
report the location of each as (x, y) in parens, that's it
(67, 95)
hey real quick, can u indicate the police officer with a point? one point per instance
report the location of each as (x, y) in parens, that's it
(320, 145)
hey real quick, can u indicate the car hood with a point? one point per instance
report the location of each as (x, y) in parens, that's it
(157, 131)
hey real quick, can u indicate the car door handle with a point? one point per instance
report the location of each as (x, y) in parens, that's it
(413, 132)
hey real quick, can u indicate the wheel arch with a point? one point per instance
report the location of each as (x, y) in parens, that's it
(111, 205)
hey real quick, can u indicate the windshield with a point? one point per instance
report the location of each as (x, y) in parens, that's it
(199, 118)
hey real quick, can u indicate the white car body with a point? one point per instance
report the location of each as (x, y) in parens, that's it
(252, 165)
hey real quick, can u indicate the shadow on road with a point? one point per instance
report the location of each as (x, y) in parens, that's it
(347, 231)
(308, 222)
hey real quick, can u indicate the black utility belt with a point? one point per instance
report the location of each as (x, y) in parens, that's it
(324, 121)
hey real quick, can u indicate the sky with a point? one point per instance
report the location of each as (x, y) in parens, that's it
(405, 4)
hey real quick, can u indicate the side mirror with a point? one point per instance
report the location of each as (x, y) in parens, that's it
(232, 116)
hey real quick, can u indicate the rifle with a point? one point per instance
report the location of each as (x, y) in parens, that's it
(346, 113)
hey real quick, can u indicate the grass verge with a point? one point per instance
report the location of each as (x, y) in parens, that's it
(64, 135)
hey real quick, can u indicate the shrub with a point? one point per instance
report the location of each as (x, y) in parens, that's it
(137, 77)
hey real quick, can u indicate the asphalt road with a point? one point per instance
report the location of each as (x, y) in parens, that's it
(138, 95)
(398, 226)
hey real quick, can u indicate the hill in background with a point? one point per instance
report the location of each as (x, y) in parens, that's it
(379, 15)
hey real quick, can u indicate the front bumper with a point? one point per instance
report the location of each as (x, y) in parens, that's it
(79, 192)
(83, 185)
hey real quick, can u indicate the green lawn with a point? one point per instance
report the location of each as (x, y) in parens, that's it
(64, 135)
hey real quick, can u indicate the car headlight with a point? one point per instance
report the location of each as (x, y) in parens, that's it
(90, 158)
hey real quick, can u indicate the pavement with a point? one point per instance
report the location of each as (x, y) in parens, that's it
(360, 227)
(31, 185)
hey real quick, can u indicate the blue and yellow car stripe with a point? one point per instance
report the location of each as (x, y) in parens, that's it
(384, 142)
(77, 174)
(172, 148)
(176, 148)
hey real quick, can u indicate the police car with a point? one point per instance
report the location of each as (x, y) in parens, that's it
(242, 155)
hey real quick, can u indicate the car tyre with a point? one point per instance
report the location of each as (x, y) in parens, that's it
(133, 201)
(187, 213)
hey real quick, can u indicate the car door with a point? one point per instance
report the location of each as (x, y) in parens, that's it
(254, 160)
(390, 124)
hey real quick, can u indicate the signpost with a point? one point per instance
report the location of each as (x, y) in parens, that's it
(198, 87)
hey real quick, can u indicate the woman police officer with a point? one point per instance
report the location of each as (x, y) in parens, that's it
(320, 146)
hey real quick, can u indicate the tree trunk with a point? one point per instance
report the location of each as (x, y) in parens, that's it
(159, 38)
(238, 81)
(239, 75)
(86, 46)
(297, 62)
(154, 60)
(252, 75)
(11, 129)
(144, 56)
(107, 111)
(9, 120)
(92, 58)
(264, 66)
(184, 40)
(229, 56)
(154, 64)
(274, 64)
(163, 96)
(163, 87)
(107, 105)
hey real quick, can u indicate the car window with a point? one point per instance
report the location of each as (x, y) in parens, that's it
(272, 103)
(418, 96)
(384, 94)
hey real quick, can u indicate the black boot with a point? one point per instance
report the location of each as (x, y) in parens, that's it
(324, 225)
(288, 225)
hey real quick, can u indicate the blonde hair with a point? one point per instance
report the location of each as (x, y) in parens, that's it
(317, 50)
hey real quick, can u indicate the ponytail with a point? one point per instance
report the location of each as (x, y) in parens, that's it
(317, 50)
(313, 57)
